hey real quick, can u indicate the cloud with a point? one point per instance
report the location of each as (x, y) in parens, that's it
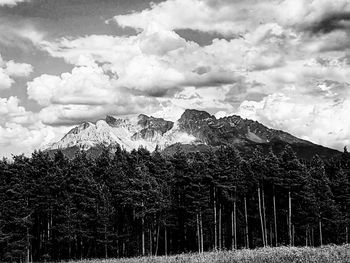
(84, 85)
(10, 69)
(21, 131)
(222, 17)
(331, 23)
(321, 16)
(5, 80)
(18, 139)
(88, 93)
(18, 69)
(10, 107)
(11, 2)
(140, 65)
(237, 17)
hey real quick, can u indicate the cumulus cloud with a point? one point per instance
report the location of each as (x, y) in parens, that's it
(196, 15)
(235, 17)
(10, 106)
(18, 69)
(140, 65)
(20, 130)
(10, 69)
(17, 139)
(84, 85)
(319, 16)
(88, 93)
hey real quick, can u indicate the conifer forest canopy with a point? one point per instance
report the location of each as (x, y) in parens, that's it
(141, 203)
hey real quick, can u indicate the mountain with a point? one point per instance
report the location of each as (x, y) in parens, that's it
(195, 130)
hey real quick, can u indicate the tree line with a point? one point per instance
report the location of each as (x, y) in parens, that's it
(140, 203)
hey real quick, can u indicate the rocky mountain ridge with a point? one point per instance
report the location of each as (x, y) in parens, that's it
(195, 128)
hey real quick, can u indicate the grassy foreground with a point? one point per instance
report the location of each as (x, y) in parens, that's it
(325, 254)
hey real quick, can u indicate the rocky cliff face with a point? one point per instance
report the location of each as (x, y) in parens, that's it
(151, 128)
(196, 128)
(230, 130)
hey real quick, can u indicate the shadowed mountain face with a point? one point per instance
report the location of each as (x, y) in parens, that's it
(152, 127)
(194, 131)
(231, 130)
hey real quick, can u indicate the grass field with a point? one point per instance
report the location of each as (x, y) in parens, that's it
(325, 254)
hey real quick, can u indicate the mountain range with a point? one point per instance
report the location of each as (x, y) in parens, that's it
(195, 130)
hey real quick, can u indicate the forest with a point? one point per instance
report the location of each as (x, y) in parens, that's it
(126, 204)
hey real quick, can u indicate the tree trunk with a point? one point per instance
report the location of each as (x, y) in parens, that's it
(320, 229)
(220, 226)
(275, 215)
(27, 260)
(232, 230)
(289, 217)
(312, 236)
(235, 219)
(306, 235)
(261, 217)
(293, 234)
(150, 242)
(198, 233)
(81, 249)
(143, 236)
(271, 235)
(201, 230)
(106, 245)
(264, 214)
(346, 235)
(246, 222)
(157, 244)
(165, 241)
(215, 221)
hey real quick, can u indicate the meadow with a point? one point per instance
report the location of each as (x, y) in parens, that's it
(325, 254)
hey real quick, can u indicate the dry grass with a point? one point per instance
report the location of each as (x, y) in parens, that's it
(325, 254)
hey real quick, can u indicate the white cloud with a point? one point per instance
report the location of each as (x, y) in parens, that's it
(16, 138)
(10, 69)
(87, 93)
(140, 65)
(5, 80)
(232, 17)
(84, 85)
(305, 13)
(10, 106)
(21, 131)
(18, 69)
(11, 2)
(227, 18)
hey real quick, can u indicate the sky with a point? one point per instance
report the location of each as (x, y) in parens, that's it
(284, 63)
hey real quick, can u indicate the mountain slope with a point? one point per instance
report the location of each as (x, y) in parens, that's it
(196, 129)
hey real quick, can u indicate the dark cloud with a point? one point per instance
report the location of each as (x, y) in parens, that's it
(156, 92)
(202, 70)
(331, 22)
(211, 79)
(200, 37)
